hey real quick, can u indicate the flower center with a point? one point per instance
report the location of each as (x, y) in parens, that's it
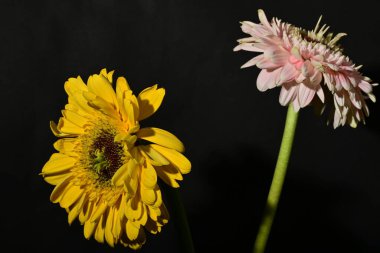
(100, 161)
(320, 35)
(105, 156)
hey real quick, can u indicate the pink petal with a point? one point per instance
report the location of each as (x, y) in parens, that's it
(286, 40)
(255, 30)
(288, 73)
(320, 94)
(328, 81)
(353, 80)
(262, 46)
(260, 31)
(343, 81)
(307, 69)
(287, 93)
(248, 47)
(339, 99)
(267, 79)
(316, 79)
(365, 86)
(263, 19)
(265, 63)
(338, 85)
(337, 118)
(248, 26)
(272, 40)
(355, 99)
(277, 56)
(253, 61)
(305, 95)
(296, 105)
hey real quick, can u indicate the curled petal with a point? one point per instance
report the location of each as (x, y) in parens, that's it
(149, 101)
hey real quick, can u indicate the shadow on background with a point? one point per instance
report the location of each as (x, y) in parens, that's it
(239, 180)
(308, 219)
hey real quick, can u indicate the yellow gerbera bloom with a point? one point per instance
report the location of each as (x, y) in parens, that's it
(105, 171)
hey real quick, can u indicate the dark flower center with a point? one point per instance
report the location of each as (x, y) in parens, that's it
(105, 155)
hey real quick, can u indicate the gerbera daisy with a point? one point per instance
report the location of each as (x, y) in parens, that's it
(105, 170)
(305, 64)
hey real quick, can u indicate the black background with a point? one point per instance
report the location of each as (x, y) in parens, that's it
(232, 132)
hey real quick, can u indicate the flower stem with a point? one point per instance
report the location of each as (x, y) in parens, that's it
(178, 214)
(277, 181)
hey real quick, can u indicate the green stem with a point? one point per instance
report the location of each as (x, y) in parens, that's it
(178, 214)
(277, 181)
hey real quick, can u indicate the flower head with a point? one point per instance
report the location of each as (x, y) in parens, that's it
(105, 171)
(306, 64)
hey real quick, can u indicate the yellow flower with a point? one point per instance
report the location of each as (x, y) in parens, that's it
(105, 171)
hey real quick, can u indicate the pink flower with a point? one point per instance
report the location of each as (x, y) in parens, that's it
(307, 64)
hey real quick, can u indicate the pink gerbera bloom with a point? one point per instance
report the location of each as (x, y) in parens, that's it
(306, 64)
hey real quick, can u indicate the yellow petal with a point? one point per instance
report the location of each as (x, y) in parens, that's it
(86, 212)
(107, 75)
(169, 175)
(75, 211)
(144, 217)
(66, 145)
(137, 245)
(56, 179)
(154, 212)
(108, 230)
(74, 87)
(120, 175)
(149, 101)
(148, 196)
(131, 181)
(129, 110)
(116, 229)
(57, 132)
(155, 157)
(178, 160)
(89, 228)
(99, 210)
(149, 176)
(132, 98)
(99, 232)
(133, 210)
(123, 206)
(68, 127)
(100, 104)
(123, 136)
(151, 226)
(72, 194)
(158, 201)
(81, 104)
(101, 86)
(131, 169)
(72, 215)
(58, 164)
(122, 87)
(75, 118)
(132, 230)
(59, 190)
(160, 137)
